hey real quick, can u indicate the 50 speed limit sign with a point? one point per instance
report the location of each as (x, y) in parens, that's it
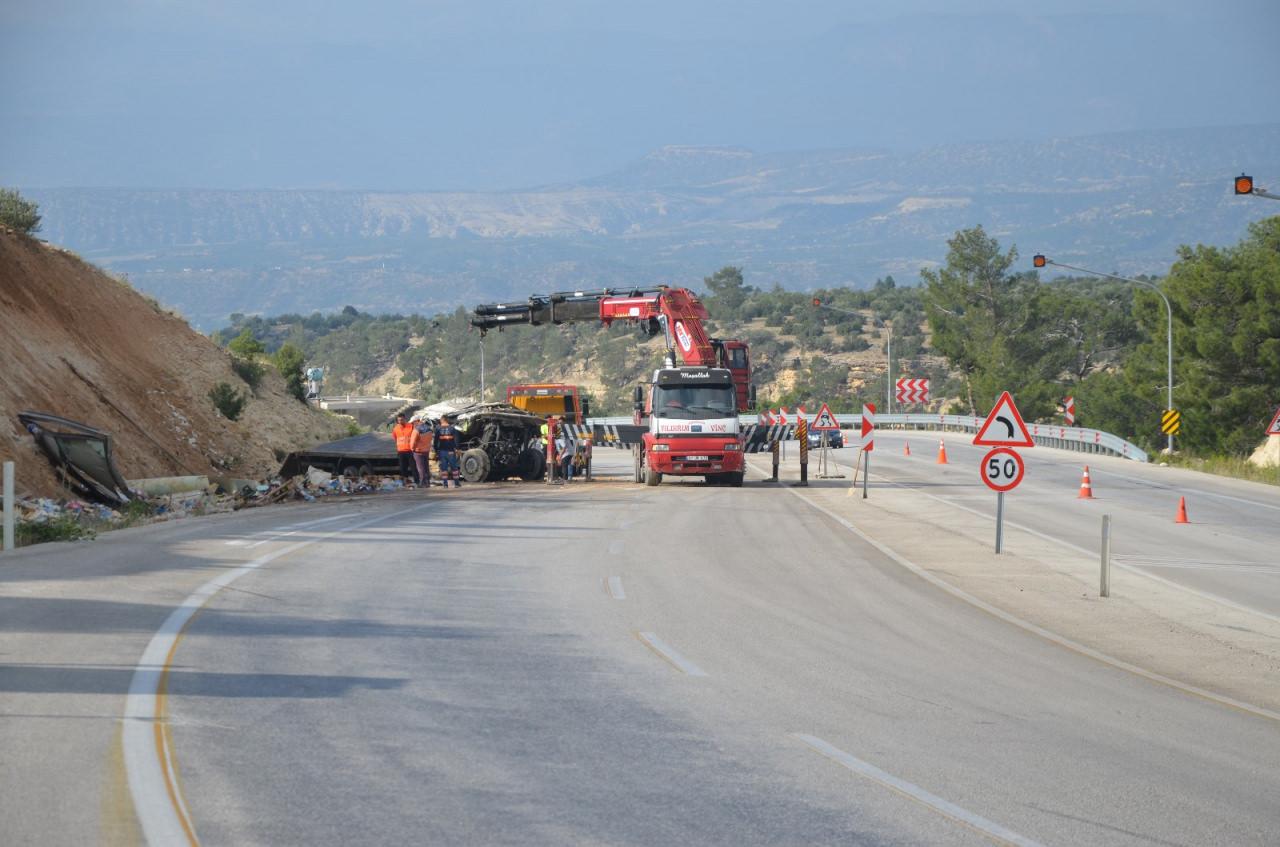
(1002, 469)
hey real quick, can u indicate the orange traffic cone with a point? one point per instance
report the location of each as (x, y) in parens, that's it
(942, 452)
(906, 448)
(1086, 487)
(1182, 511)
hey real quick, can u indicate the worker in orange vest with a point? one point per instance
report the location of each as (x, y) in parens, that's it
(420, 444)
(402, 432)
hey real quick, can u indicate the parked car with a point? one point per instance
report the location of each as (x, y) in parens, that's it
(835, 438)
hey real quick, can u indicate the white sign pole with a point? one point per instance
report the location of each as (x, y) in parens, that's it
(999, 520)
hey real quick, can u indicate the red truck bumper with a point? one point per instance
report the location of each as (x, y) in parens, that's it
(692, 460)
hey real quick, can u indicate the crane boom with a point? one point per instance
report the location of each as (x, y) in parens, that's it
(675, 312)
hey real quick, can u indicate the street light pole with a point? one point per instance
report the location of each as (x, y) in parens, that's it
(888, 390)
(1041, 260)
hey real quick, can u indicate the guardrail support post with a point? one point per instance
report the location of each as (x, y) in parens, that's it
(774, 451)
(1104, 579)
(8, 506)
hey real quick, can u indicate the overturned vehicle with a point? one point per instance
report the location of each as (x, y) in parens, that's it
(498, 441)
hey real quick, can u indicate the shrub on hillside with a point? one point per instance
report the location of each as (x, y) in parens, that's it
(22, 215)
(228, 401)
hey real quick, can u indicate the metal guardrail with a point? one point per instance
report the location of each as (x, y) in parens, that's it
(1074, 438)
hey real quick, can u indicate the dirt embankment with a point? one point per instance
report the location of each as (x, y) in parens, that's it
(76, 342)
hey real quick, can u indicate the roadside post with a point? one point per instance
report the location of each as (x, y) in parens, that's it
(8, 506)
(868, 442)
(774, 450)
(1104, 580)
(1002, 468)
(802, 432)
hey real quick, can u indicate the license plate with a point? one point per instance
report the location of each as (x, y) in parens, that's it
(697, 458)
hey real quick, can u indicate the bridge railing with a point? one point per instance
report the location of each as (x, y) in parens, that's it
(1077, 438)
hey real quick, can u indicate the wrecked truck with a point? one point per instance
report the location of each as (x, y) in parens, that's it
(498, 441)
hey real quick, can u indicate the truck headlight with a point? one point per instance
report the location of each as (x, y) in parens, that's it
(661, 448)
(732, 447)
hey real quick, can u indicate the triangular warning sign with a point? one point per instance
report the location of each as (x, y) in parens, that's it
(1004, 426)
(1273, 429)
(824, 420)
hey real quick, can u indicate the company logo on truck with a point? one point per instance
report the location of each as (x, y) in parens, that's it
(683, 337)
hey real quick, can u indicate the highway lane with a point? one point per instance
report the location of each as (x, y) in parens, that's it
(1227, 551)
(600, 664)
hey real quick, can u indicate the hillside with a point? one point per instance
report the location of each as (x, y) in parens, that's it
(809, 219)
(77, 343)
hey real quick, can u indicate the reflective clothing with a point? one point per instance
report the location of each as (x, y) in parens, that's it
(446, 438)
(420, 441)
(403, 434)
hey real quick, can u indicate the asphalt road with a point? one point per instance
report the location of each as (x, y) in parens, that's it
(1228, 550)
(589, 664)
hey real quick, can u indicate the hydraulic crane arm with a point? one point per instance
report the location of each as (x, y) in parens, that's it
(678, 308)
(677, 313)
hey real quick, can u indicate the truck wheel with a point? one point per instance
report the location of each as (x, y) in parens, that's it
(637, 453)
(651, 477)
(735, 479)
(533, 464)
(475, 465)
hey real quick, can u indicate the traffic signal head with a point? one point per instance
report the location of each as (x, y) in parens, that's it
(1038, 260)
(1244, 184)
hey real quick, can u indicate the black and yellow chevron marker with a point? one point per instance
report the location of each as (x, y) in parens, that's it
(1171, 422)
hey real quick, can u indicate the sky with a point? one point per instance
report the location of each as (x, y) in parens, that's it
(477, 95)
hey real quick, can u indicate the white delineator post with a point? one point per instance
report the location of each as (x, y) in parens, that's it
(8, 506)
(1104, 582)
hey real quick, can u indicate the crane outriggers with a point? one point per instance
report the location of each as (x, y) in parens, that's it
(687, 421)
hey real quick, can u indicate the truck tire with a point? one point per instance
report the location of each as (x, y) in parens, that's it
(735, 479)
(533, 464)
(637, 453)
(651, 477)
(475, 465)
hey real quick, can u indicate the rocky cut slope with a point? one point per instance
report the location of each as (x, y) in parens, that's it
(78, 343)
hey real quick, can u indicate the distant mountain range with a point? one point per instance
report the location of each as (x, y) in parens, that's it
(1121, 202)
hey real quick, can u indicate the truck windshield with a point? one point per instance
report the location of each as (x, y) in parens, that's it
(694, 401)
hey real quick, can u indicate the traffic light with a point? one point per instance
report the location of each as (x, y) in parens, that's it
(1244, 184)
(1038, 260)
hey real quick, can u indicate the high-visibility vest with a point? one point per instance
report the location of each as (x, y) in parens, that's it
(403, 434)
(420, 441)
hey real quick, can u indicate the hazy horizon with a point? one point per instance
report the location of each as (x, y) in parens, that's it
(455, 96)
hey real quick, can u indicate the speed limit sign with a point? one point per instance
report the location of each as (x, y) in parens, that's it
(1002, 469)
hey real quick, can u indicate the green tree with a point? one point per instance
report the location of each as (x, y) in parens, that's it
(16, 212)
(289, 360)
(1226, 342)
(728, 293)
(246, 345)
(228, 401)
(986, 321)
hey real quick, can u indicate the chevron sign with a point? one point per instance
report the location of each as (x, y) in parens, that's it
(912, 390)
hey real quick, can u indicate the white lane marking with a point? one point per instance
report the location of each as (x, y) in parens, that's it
(283, 530)
(1033, 628)
(1204, 595)
(615, 588)
(666, 651)
(1200, 492)
(944, 807)
(148, 760)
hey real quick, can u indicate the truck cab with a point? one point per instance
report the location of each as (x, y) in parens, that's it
(692, 415)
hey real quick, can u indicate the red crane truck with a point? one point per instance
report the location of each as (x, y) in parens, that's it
(687, 421)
